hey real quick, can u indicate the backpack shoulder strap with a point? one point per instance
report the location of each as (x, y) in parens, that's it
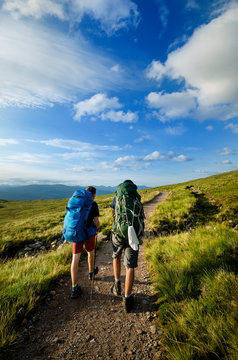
(116, 218)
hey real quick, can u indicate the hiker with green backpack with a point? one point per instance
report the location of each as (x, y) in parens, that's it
(127, 231)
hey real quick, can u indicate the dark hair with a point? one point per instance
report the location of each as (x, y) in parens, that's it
(128, 181)
(91, 189)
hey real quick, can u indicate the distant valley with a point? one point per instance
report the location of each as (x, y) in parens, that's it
(40, 192)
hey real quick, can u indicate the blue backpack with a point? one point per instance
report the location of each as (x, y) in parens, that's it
(77, 211)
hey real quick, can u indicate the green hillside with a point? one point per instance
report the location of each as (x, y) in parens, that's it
(192, 260)
(26, 278)
(193, 264)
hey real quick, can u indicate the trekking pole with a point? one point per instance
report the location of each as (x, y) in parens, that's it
(94, 262)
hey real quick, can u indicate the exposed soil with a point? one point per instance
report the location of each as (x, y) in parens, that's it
(94, 326)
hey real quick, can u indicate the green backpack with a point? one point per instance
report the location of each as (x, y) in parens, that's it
(128, 211)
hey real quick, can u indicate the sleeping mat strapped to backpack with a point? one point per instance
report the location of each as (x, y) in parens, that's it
(77, 211)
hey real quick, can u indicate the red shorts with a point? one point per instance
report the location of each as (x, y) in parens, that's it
(89, 245)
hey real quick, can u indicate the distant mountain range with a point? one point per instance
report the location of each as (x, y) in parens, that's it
(40, 192)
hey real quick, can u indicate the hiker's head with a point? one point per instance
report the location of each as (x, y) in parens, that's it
(128, 181)
(92, 190)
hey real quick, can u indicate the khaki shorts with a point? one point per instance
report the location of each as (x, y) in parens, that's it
(120, 246)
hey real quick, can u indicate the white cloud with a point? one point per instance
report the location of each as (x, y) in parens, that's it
(233, 127)
(181, 158)
(109, 166)
(156, 70)
(155, 155)
(82, 169)
(208, 63)
(226, 162)
(172, 105)
(111, 16)
(127, 158)
(32, 172)
(34, 8)
(87, 155)
(226, 151)
(25, 158)
(5, 142)
(99, 105)
(41, 66)
(76, 145)
(140, 162)
(120, 116)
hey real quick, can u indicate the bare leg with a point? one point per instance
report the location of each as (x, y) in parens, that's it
(91, 260)
(117, 267)
(130, 275)
(74, 268)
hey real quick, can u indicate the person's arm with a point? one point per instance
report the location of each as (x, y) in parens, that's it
(96, 221)
(96, 216)
(113, 206)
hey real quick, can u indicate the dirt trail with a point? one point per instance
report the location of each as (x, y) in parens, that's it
(97, 326)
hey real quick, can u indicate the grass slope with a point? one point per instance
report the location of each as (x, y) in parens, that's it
(194, 268)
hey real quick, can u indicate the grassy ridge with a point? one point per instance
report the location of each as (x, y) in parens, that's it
(212, 198)
(195, 270)
(23, 281)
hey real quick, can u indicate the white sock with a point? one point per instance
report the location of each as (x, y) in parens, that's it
(117, 279)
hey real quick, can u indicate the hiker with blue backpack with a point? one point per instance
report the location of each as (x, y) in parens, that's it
(127, 231)
(80, 227)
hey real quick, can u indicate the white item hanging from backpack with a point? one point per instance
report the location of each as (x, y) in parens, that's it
(133, 240)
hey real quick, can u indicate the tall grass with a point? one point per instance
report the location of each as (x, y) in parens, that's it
(195, 278)
(23, 282)
(195, 270)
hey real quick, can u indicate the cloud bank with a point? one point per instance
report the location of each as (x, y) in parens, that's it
(112, 16)
(134, 162)
(41, 66)
(206, 68)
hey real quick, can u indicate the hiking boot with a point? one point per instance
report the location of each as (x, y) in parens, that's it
(129, 303)
(75, 293)
(116, 288)
(95, 272)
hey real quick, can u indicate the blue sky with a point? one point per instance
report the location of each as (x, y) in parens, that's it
(94, 92)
